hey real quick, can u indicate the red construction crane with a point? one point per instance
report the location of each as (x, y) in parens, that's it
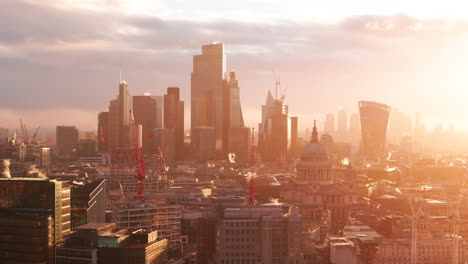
(138, 159)
(252, 170)
(33, 139)
(23, 132)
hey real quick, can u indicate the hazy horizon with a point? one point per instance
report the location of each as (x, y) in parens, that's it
(63, 68)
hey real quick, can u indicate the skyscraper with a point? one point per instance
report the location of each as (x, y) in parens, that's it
(114, 125)
(274, 131)
(174, 118)
(329, 124)
(342, 125)
(67, 140)
(207, 89)
(145, 110)
(354, 130)
(236, 118)
(119, 118)
(374, 121)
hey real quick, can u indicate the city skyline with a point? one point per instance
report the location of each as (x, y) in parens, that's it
(362, 64)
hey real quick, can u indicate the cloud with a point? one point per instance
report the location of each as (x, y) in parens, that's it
(53, 57)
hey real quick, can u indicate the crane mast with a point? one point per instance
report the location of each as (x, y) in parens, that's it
(252, 170)
(138, 159)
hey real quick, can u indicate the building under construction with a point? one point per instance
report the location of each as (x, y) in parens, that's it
(149, 215)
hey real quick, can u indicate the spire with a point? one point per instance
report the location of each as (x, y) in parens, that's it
(314, 134)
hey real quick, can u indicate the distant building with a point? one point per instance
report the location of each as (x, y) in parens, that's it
(105, 243)
(203, 143)
(342, 125)
(145, 111)
(329, 124)
(294, 126)
(239, 143)
(174, 118)
(274, 131)
(34, 219)
(165, 139)
(119, 119)
(354, 129)
(207, 90)
(374, 121)
(88, 203)
(3, 135)
(269, 233)
(86, 147)
(67, 140)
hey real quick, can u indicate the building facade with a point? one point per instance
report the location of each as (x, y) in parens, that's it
(374, 121)
(34, 219)
(67, 140)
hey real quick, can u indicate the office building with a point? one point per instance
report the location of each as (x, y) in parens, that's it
(88, 203)
(86, 147)
(119, 119)
(374, 121)
(275, 130)
(104, 243)
(208, 90)
(239, 144)
(67, 141)
(150, 215)
(342, 125)
(174, 118)
(329, 124)
(294, 124)
(354, 129)
(34, 219)
(165, 140)
(203, 143)
(269, 233)
(145, 111)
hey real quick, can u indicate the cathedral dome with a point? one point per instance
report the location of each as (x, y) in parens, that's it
(314, 151)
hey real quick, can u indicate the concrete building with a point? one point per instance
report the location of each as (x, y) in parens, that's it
(88, 203)
(398, 251)
(145, 110)
(67, 140)
(203, 143)
(374, 121)
(165, 139)
(264, 234)
(174, 118)
(119, 119)
(239, 143)
(207, 90)
(274, 131)
(103, 243)
(86, 147)
(150, 215)
(34, 219)
(342, 251)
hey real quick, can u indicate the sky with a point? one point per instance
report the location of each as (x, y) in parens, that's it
(60, 59)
